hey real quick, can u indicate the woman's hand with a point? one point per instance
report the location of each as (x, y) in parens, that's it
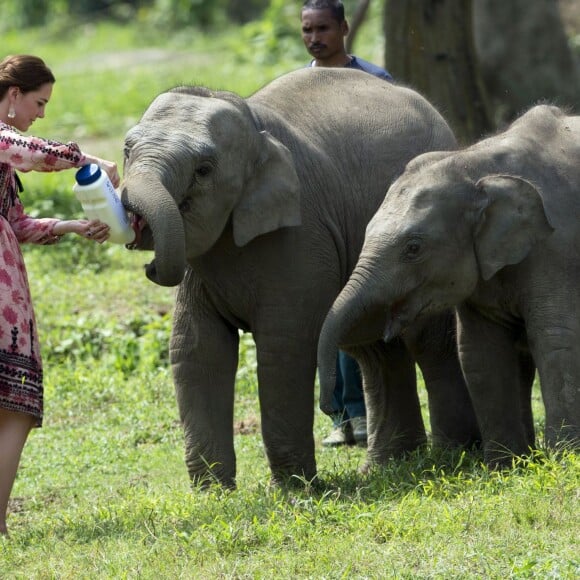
(88, 229)
(109, 167)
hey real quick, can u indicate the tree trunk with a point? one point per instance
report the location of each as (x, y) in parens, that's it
(525, 56)
(430, 46)
(482, 63)
(355, 23)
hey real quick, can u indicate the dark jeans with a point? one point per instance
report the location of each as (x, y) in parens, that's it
(348, 400)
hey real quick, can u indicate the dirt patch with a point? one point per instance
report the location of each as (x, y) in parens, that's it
(247, 426)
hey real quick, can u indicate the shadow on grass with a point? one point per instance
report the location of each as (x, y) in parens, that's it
(399, 477)
(429, 472)
(212, 517)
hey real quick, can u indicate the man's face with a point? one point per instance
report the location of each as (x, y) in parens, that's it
(322, 34)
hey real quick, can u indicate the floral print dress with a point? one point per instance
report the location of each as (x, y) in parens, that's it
(20, 362)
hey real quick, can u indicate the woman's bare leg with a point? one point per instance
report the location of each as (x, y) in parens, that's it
(14, 430)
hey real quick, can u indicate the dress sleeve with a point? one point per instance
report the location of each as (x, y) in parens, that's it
(26, 153)
(28, 229)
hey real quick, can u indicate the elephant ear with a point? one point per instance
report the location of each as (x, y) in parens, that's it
(271, 198)
(428, 158)
(510, 219)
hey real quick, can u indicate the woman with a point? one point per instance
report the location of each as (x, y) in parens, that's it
(25, 89)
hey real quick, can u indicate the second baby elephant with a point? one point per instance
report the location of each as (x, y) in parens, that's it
(495, 231)
(257, 207)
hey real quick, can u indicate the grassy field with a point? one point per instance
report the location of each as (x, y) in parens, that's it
(103, 491)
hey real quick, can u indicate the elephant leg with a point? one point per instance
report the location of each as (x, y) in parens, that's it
(491, 365)
(286, 374)
(433, 343)
(527, 376)
(556, 350)
(204, 356)
(394, 421)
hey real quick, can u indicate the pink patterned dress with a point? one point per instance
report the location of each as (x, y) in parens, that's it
(20, 362)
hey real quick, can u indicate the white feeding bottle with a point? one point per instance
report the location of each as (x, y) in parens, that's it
(94, 190)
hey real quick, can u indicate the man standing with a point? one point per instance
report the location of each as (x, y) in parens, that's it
(324, 29)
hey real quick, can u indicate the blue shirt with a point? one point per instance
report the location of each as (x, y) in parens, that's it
(368, 67)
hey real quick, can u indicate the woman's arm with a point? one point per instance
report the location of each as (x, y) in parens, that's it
(28, 153)
(90, 229)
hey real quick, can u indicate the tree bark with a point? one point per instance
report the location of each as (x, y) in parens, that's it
(430, 46)
(356, 22)
(525, 56)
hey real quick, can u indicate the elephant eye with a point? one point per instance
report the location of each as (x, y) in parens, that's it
(203, 170)
(412, 249)
(184, 205)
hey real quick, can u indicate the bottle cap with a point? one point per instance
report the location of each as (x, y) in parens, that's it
(88, 174)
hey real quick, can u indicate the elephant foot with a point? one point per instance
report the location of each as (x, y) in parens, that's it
(293, 478)
(501, 456)
(292, 465)
(296, 483)
(399, 447)
(204, 482)
(204, 474)
(454, 426)
(563, 437)
(365, 468)
(384, 459)
(463, 440)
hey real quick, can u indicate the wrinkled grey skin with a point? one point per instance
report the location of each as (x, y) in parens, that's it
(494, 230)
(257, 208)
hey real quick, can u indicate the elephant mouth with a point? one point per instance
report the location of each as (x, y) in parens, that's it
(395, 321)
(138, 223)
(401, 314)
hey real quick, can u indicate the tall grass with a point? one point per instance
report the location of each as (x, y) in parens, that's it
(103, 491)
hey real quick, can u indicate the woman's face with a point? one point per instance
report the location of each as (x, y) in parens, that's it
(29, 106)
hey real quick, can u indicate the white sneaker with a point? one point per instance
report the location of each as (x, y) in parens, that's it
(359, 429)
(340, 435)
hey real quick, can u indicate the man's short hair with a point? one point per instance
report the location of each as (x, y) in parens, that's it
(335, 6)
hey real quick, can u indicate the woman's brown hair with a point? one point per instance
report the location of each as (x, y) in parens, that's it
(24, 71)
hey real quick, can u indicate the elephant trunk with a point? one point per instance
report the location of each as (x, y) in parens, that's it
(327, 353)
(354, 318)
(145, 195)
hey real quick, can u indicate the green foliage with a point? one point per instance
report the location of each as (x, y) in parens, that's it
(245, 10)
(138, 343)
(19, 14)
(275, 36)
(171, 15)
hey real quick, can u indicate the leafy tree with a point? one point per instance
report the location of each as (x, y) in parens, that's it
(184, 13)
(245, 10)
(355, 22)
(275, 36)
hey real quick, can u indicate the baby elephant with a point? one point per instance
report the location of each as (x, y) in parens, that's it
(493, 230)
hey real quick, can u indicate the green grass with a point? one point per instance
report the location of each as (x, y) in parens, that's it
(103, 491)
